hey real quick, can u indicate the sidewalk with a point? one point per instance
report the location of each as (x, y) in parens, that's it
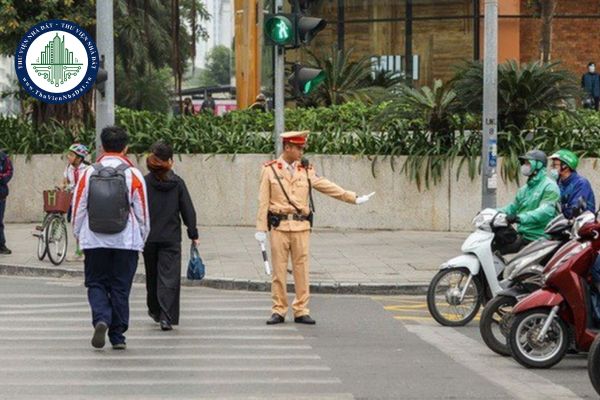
(368, 262)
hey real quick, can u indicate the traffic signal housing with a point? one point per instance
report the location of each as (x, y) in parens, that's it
(291, 30)
(101, 79)
(304, 80)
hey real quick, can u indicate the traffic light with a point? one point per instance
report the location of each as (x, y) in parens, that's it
(292, 30)
(280, 30)
(304, 80)
(101, 79)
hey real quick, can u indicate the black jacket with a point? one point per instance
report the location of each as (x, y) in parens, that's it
(6, 174)
(167, 201)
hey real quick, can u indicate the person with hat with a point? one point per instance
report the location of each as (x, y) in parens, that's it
(260, 104)
(285, 209)
(573, 187)
(535, 203)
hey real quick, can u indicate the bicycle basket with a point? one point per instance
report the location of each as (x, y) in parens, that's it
(57, 201)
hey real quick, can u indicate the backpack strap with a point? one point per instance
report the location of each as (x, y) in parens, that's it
(123, 167)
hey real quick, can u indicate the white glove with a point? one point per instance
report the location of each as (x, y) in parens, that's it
(363, 199)
(261, 236)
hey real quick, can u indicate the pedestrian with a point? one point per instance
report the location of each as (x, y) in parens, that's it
(77, 164)
(169, 202)
(208, 105)
(6, 174)
(590, 82)
(188, 107)
(285, 208)
(260, 104)
(111, 222)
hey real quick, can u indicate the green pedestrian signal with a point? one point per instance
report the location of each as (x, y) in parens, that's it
(305, 80)
(279, 29)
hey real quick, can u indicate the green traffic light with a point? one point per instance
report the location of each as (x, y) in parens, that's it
(280, 30)
(313, 83)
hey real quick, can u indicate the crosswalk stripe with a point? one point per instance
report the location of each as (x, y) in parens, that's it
(254, 368)
(135, 330)
(135, 319)
(46, 346)
(171, 338)
(86, 310)
(98, 356)
(192, 382)
(247, 396)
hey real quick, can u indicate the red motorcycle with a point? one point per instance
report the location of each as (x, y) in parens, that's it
(547, 322)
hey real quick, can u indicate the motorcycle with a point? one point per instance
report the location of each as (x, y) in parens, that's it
(522, 276)
(594, 364)
(544, 322)
(463, 283)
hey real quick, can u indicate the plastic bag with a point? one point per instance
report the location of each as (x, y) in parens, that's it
(196, 269)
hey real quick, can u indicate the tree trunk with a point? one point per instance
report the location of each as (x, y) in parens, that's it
(547, 9)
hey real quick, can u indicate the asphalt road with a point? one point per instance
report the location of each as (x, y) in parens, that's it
(361, 348)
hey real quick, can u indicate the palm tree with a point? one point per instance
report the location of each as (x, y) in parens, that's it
(546, 9)
(345, 80)
(435, 106)
(522, 90)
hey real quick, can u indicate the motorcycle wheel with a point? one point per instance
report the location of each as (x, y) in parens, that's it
(495, 323)
(594, 364)
(443, 297)
(531, 352)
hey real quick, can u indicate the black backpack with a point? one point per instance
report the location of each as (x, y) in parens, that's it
(108, 199)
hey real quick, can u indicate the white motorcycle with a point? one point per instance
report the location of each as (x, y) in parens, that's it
(463, 283)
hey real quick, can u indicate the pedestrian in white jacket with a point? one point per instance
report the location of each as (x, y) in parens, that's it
(111, 223)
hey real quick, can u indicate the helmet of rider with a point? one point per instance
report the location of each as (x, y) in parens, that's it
(536, 158)
(79, 149)
(567, 157)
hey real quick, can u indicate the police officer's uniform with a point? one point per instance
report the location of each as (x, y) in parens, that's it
(291, 236)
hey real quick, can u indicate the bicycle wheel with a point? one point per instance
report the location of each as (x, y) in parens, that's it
(56, 239)
(42, 250)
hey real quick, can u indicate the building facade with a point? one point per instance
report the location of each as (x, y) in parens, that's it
(429, 39)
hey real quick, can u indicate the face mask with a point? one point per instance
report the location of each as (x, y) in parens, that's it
(526, 170)
(555, 174)
(592, 69)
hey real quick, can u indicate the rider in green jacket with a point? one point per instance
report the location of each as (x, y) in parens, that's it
(535, 204)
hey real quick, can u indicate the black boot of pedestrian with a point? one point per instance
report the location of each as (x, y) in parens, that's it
(165, 325)
(5, 250)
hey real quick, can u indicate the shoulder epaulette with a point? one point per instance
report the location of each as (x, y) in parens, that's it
(269, 163)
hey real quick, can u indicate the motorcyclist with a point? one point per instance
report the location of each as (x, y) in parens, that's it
(573, 187)
(535, 203)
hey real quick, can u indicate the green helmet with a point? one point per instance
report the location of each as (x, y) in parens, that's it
(567, 157)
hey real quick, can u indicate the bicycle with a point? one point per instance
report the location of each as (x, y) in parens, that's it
(52, 236)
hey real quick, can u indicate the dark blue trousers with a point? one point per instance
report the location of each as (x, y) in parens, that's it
(108, 277)
(2, 209)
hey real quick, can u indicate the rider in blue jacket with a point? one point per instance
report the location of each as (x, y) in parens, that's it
(573, 187)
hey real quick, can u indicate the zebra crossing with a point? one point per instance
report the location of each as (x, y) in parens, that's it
(221, 350)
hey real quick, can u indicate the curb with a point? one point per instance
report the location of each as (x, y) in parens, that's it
(233, 284)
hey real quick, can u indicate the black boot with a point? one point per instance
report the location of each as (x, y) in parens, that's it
(275, 319)
(5, 250)
(305, 319)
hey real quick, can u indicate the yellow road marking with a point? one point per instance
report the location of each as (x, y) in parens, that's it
(405, 307)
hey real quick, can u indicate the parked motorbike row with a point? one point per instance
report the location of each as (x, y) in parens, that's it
(538, 306)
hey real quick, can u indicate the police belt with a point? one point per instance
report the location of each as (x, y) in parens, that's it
(290, 217)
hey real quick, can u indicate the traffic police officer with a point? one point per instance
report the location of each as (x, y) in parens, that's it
(285, 209)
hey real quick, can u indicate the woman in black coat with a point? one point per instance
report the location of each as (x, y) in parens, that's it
(169, 202)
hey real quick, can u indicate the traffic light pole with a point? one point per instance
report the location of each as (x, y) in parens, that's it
(279, 90)
(489, 151)
(105, 105)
